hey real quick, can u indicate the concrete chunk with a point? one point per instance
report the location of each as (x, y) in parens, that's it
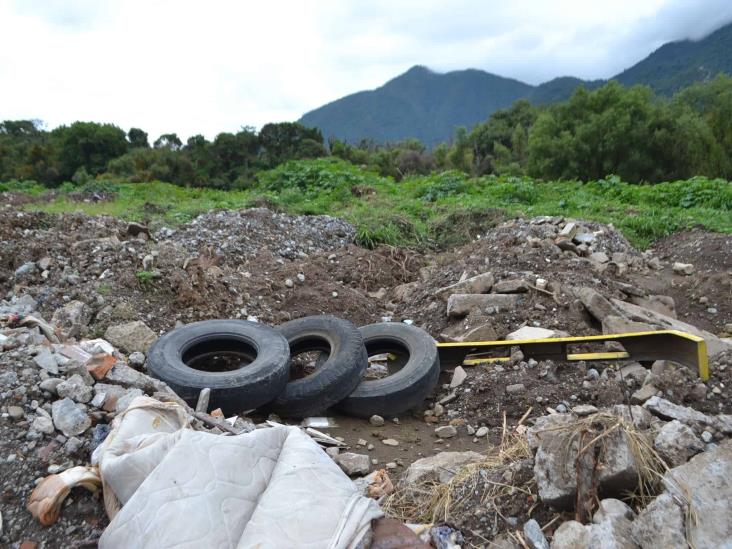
(459, 305)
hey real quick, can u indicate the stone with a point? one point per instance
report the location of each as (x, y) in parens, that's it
(446, 431)
(614, 532)
(75, 388)
(68, 418)
(544, 426)
(440, 467)
(73, 445)
(403, 292)
(611, 508)
(685, 269)
(660, 524)
(635, 415)
(566, 245)
(707, 437)
(705, 481)
(45, 359)
(99, 365)
(376, 421)
(16, 412)
(596, 304)
(571, 535)
(131, 337)
(668, 410)
(459, 305)
(555, 471)
(480, 284)
(390, 442)
(514, 286)
(698, 392)
(660, 303)
(458, 377)
(534, 536)
(136, 359)
(72, 318)
(676, 443)
(599, 257)
(531, 332)
(354, 464)
(43, 424)
(121, 374)
(569, 230)
(484, 332)
(126, 399)
(515, 388)
(584, 410)
(289, 283)
(643, 394)
(584, 238)
(481, 432)
(25, 269)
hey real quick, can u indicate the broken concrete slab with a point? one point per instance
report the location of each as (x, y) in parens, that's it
(668, 410)
(353, 464)
(660, 524)
(514, 286)
(705, 484)
(440, 467)
(480, 284)
(676, 443)
(531, 332)
(131, 336)
(459, 305)
(596, 304)
(659, 303)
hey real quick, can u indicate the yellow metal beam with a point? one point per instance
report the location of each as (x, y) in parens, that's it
(686, 349)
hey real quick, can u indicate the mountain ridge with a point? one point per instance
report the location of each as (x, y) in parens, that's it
(423, 104)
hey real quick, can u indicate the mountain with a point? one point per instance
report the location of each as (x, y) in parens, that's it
(428, 106)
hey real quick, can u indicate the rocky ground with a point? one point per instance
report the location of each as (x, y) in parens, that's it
(81, 278)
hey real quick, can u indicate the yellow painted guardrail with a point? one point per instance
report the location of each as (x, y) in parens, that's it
(673, 345)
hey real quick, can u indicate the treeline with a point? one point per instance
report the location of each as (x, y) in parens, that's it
(628, 132)
(86, 150)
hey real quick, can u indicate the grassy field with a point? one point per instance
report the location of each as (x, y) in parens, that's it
(424, 211)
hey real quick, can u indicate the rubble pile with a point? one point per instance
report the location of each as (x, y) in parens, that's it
(85, 298)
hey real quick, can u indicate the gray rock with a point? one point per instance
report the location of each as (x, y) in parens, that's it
(597, 305)
(555, 472)
(126, 399)
(25, 269)
(131, 337)
(458, 377)
(705, 482)
(72, 317)
(68, 418)
(707, 437)
(446, 431)
(685, 269)
(353, 464)
(676, 443)
(661, 524)
(75, 388)
(121, 374)
(136, 359)
(668, 410)
(480, 284)
(43, 424)
(481, 432)
(73, 445)
(571, 535)
(544, 427)
(46, 360)
(636, 415)
(516, 286)
(459, 305)
(584, 410)
(440, 467)
(534, 536)
(516, 388)
(599, 257)
(611, 508)
(376, 421)
(16, 412)
(614, 532)
(643, 394)
(531, 332)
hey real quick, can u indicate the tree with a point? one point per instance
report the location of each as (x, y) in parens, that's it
(137, 138)
(88, 145)
(289, 140)
(459, 155)
(169, 141)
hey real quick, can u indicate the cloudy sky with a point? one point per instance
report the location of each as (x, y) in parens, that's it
(205, 67)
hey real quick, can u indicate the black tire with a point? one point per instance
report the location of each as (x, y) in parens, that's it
(233, 390)
(334, 378)
(405, 389)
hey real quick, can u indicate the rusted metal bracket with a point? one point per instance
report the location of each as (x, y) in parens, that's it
(680, 347)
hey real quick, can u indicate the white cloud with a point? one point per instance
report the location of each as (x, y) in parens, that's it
(189, 67)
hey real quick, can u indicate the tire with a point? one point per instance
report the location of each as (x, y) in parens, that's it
(334, 378)
(218, 342)
(405, 389)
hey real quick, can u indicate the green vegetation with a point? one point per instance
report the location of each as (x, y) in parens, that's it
(437, 210)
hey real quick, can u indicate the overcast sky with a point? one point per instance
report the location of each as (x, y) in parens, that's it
(206, 67)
